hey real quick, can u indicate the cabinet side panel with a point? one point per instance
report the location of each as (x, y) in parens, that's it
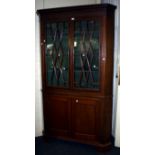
(109, 52)
(105, 120)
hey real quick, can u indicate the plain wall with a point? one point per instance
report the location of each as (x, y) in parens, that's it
(38, 94)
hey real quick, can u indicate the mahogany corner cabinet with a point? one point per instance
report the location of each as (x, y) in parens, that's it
(77, 50)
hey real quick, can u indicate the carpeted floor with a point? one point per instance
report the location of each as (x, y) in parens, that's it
(59, 147)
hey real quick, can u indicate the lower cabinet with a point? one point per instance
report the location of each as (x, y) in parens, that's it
(80, 119)
(72, 117)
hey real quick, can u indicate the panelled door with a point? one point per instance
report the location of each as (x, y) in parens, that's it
(57, 114)
(85, 116)
(57, 54)
(86, 53)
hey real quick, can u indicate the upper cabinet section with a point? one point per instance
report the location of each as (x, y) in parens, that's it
(77, 48)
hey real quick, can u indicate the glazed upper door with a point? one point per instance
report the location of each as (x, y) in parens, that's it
(72, 53)
(86, 54)
(57, 54)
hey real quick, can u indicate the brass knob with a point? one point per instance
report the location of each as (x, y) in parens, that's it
(103, 59)
(76, 100)
(72, 18)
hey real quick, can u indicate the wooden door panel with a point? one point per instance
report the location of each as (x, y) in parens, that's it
(85, 118)
(57, 115)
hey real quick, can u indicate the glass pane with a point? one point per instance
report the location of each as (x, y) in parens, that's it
(57, 56)
(86, 54)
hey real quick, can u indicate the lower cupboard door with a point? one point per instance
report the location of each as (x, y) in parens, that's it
(57, 116)
(85, 119)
